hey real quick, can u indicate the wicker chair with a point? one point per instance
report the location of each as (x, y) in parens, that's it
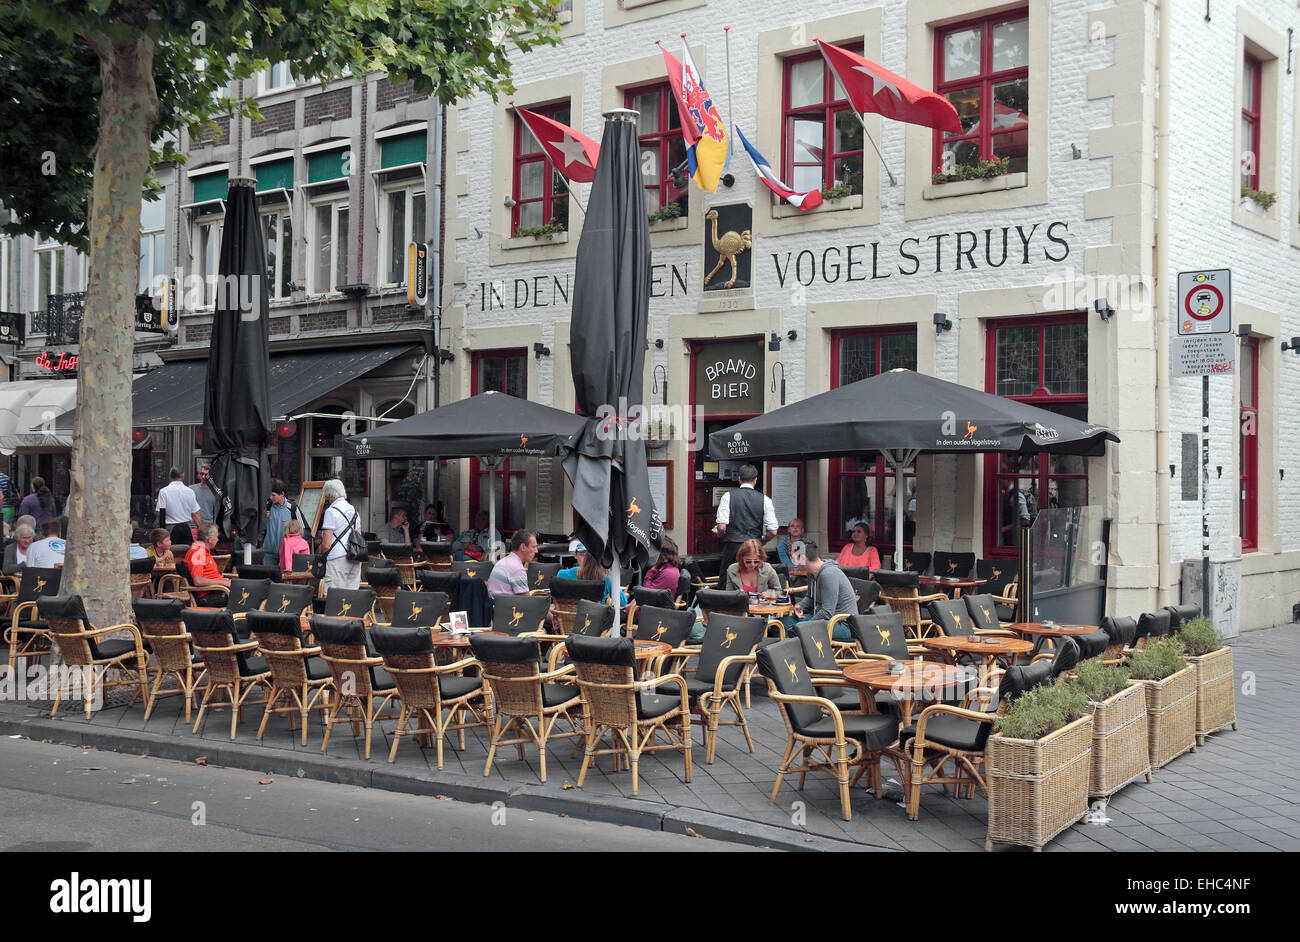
(865, 592)
(918, 563)
(26, 636)
(899, 590)
(521, 614)
(945, 731)
(297, 674)
(1121, 633)
(247, 595)
(983, 611)
(350, 603)
(163, 632)
(723, 601)
(231, 664)
(1000, 576)
(313, 563)
(861, 573)
(427, 689)
(953, 619)
(286, 598)
(525, 699)
(819, 655)
(540, 575)
(441, 580)
(437, 555)
(403, 556)
(565, 595)
(385, 583)
(815, 723)
(669, 625)
(418, 609)
(259, 571)
(80, 647)
(360, 683)
(631, 711)
(471, 568)
(1152, 625)
(724, 654)
(953, 565)
(179, 585)
(142, 578)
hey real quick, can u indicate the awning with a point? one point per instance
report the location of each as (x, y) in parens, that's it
(37, 414)
(173, 393)
(13, 396)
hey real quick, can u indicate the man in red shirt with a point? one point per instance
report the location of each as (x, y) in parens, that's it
(202, 567)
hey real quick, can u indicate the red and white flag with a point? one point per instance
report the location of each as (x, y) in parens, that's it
(571, 152)
(874, 89)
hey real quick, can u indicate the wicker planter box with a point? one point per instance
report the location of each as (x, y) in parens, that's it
(1119, 742)
(1171, 716)
(1039, 787)
(1216, 693)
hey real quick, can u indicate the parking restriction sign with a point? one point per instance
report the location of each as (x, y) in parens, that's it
(1205, 302)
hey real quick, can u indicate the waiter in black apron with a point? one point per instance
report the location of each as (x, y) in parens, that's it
(744, 513)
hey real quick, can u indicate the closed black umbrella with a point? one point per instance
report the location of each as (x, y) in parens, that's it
(614, 514)
(237, 401)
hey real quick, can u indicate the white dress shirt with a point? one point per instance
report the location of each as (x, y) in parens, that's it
(769, 511)
(178, 502)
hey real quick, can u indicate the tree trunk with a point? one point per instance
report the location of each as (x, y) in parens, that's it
(98, 507)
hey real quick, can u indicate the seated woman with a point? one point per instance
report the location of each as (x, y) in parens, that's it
(162, 547)
(589, 568)
(751, 571)
(859, 553)
(794, 533)
(666, 571)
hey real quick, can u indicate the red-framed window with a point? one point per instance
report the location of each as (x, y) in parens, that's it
(662, 145)
(1248, 445)
(1042, 361)
(821, 136)
(1252, 87)
(500, 371)
(862, 489)
(982, 67)
(539, 191)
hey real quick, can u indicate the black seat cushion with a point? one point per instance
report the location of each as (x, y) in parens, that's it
(452, 686)
(617, 651)
(503, 650)
(317, 669)
(955, 732)
(113, 647)
(401, 640)
(413, 609)
(650, 704)
(382, 576)
(380, 679)
(875, 732)
(1153, 624)
(880, 633)
(1066, 657)
(555, 694)
(1092, 645)
(659, 598)
(157, 609)
(251, 665)
(591, 589)
(723, 600)
(1121, 629)
(669, 625)
(343, 631)
(893, 579)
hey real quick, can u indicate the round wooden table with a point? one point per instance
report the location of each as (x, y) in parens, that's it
(1041, 631)
(445, 639)
(646, 651)
(950, 582)
(919, 680)
(304, 576)
(989, 650)
(771, 609)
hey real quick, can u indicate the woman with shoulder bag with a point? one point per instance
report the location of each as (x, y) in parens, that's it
(338, 523)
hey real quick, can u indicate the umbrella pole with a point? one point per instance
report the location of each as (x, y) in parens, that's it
(898, 516)
(616, 578)
(492, 515)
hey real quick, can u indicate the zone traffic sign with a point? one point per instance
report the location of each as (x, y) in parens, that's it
(1204, 302)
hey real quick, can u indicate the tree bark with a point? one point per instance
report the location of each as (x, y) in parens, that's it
(98, 507)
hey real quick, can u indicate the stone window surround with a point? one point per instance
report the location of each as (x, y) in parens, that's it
(924, 200)
(1269, 47)
(771, 217)
(1267, 327)
(623, 12)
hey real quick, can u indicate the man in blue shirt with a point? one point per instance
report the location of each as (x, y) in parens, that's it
(280, 509)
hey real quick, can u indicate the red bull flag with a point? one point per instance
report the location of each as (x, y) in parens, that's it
(702, 127)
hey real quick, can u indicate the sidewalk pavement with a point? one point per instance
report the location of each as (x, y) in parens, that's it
(1237, 792)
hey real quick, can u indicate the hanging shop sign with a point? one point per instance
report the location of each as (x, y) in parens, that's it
(729, 378)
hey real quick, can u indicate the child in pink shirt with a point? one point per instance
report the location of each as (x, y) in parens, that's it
(291, 544)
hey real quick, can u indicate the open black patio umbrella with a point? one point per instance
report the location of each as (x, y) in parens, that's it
(237, 403)
(902, 414)
(489, 425)
(614, 514)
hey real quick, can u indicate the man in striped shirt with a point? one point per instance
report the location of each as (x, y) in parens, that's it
(510, 575)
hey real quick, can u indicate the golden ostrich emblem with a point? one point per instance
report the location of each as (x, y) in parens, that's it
(728, 637)
(817, 643)
(793, 669)
(516, 617)
(660, 631)
(284, 604)
(415, 611)
(345, 607)
(728, 248)
(884, 635)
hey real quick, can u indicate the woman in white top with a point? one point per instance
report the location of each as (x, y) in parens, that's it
(16, 552)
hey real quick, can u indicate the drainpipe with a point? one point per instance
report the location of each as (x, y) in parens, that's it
(1164, 550)
(433, 375)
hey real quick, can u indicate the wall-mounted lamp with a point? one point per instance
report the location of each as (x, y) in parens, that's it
(1171, 470)
(774, 343)
(1103, 308)
(792, 335)
(1293, 346)
(941, 323)
(659, 343)
(658, 386)
(1218, 471)
(728, 180)
(446, 356)
(1075, 153)
(774, 366)
(541, 350)
(1243, 332)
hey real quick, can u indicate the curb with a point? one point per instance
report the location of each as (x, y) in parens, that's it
(629, 812)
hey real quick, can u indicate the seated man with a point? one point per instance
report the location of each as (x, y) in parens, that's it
(203, 568)
(475, 543)
(397, 529)
(510, 575)
(47, 552)
(829, 594)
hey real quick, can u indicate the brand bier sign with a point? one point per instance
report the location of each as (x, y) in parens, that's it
(727, 378)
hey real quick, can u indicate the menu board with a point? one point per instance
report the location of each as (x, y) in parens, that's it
(311, 504)
(659, 489)
(783, 488)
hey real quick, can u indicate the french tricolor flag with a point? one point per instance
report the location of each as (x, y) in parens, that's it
(804, 201)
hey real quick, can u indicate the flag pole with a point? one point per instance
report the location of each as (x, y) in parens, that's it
(858, 115)
(568, 184)
(731, 113)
